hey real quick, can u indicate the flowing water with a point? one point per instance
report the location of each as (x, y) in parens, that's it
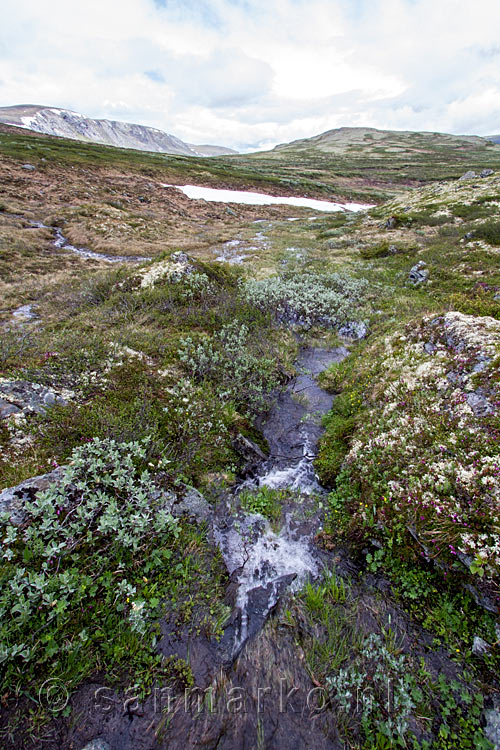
(63, 243)
(264, 562)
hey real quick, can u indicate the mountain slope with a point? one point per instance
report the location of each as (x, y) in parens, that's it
(369, 141)
(67, 124)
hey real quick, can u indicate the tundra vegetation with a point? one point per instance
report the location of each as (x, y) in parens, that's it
(150, 374)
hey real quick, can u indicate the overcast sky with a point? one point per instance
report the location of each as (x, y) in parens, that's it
(253, 73)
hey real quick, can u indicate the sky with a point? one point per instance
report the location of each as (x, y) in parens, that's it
(253, 73)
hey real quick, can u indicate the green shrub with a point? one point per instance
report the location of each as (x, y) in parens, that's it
(489, 232)
(308, 298)
(69, 572)
(227, 360)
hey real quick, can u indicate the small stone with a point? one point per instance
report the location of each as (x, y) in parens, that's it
(486, 173)
(468, 175)
(391, 223)
(193, 505)
(29, 167)
(49, 399)
(468, 235)
(97, 744)
(480, 646)
(418, 274)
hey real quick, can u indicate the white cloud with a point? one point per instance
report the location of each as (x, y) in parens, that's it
(266, 71)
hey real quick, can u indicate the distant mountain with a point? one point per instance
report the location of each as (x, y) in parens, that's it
(207, 150)
(494, 138)
(67, 124)
(373, 142)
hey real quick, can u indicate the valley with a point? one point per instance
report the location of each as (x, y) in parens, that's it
(249, 459)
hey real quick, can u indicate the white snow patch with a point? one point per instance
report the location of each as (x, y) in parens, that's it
(197, 192)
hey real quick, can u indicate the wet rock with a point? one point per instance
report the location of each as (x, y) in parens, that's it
(492, 728)
(480, 646)
(97, 744)
(29, 397)
(249, 450)
(12, 499)
(486, 173)
(24, 313)
(482, 599)
(418, 274)
(468, 175)
(29, 167)
(354, 330)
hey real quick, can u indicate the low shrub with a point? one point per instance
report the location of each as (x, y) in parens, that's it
(306, 299)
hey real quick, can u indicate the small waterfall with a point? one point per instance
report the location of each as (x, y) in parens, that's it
(263, 562)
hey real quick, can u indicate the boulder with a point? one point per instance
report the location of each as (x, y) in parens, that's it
(486, 173)
(12, 499)
(468, 175)
(27, 397)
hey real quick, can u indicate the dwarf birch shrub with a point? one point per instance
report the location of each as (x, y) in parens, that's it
(228, 360)
(308, 298)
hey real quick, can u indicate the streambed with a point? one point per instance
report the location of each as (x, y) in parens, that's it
(62, 242)
(264, 562)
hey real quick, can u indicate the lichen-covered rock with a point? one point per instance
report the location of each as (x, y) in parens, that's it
(418, 274)
(28, 398)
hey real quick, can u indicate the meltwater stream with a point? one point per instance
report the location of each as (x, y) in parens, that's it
(60, 241)
(262, 562)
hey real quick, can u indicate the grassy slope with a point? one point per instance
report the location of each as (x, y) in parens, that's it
(359, 164)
